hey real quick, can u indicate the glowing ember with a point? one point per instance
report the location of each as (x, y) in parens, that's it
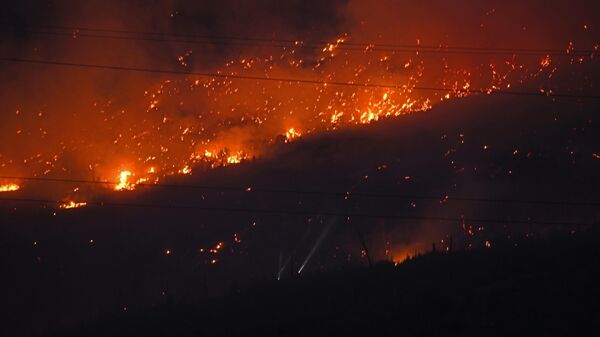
(9, 187)
(217, 248)
(72, 204)
(186, 170)
(229, 120)
(291, 134)
(546, 61)
(124, 184)
(234, 159)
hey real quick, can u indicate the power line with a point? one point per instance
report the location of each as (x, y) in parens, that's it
(320, 193)
(288, 80)
(346, 47)
(361, 46)
(304, 213)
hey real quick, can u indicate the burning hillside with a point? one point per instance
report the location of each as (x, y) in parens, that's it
(161, 151)
(176, 120)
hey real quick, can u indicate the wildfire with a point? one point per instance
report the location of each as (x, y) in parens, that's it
(124, 183)
(237, 119)
(216, 158)
(72, 204)
(291, 134)
(368, 117)
(235, 159)
(186, 170)
(218, 247)
(400, 254)
(9, 187)
(546, 61)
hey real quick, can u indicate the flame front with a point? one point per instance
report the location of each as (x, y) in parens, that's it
(183, 124)
(9, 187)
(124, 183)
(72, 204)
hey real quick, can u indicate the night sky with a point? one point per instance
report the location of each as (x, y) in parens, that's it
(156, 152)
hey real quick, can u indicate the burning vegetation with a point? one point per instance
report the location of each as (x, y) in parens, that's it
(240, 110)
(72, 204)
(184, 118)
(9, 187)
(326, 134)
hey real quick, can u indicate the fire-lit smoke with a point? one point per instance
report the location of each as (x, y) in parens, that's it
(131, 127)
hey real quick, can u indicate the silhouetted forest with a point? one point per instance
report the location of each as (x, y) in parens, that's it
(536, 287)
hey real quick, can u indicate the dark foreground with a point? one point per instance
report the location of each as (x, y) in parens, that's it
(540, 287)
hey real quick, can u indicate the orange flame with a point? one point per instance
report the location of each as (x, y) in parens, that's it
(124, 184)
(9, 187)
(72, 204)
